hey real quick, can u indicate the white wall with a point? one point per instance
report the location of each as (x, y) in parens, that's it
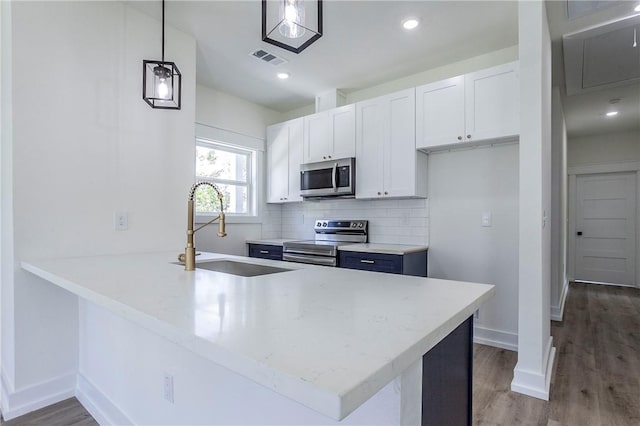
(603, 149)
(476, 63)
(559, 283)
(532, 375)
(463, 185)
(229, 112)
(85, 145)
(224, 111)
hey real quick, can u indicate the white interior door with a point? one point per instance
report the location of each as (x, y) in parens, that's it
(606, 228)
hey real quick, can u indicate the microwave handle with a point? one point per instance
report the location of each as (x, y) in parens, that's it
(333, 177)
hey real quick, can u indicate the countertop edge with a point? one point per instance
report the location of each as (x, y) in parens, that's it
(397, 249)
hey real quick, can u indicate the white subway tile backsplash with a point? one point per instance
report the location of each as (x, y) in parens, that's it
(390, 221)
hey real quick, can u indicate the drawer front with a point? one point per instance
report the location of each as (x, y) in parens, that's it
(265, 251)
(371, 262)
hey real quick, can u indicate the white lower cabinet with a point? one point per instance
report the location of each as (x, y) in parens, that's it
(387, 163)
(284, 156)
(480, 106)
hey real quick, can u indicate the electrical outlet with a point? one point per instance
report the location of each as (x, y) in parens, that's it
(486, 219)
(168, 387)
(121, 221)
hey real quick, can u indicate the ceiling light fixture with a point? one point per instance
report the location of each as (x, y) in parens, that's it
(410, 23)
(161, 81)
(283, 75)
(612, 113)
(637, 9)
(291, 24)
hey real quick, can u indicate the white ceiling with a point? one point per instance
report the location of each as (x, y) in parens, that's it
(585, 108)
(363, 44)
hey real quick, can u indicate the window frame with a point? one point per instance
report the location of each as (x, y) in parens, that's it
(251, 184)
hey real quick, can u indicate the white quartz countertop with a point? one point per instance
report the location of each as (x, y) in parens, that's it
(271, 242)
(329, 338)
(400, 249)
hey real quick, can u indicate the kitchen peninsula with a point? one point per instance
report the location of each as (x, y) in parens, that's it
(330, 339)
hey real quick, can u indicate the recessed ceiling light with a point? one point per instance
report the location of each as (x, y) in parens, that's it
(612, 113)
(410, 23)
(637, 9)
(283, 75)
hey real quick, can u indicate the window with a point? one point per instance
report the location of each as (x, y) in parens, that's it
(230, 168)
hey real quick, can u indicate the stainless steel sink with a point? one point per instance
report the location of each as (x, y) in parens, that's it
(239, 268)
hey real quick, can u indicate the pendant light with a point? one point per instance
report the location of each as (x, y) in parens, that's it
(161, 81)
(291, 24)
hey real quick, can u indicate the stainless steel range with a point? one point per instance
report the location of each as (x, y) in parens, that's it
(330, 234)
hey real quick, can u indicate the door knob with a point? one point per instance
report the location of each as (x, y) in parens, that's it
(579, 233)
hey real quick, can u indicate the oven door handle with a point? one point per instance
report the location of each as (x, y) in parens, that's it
(314, 260)
(295, 251)
(333, 177)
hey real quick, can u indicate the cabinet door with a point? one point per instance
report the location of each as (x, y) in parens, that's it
(492, 103)
(343, 129)
(400, 145)
(440, 113)
(295, 159)
(317, 137)
(278, 163)
(369, 148)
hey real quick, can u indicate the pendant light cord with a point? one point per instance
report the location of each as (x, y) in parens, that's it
(163, 32)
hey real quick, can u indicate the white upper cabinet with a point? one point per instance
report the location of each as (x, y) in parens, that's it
(387, 163)
(330, 134)
(483, 105)
(440, 112)
(284, 156)
(492, 103)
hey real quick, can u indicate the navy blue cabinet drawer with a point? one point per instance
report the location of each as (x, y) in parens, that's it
(408, 264)
(371, 262)
(265, 251)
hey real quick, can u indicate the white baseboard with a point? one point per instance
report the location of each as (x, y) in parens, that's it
(496, 338)
(99, 405)
(34, 397)
(535, 383)
(557, 312)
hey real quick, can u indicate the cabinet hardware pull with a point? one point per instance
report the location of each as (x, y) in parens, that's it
(386, 193)
(329, 156)
(459, 138)
(324, 157)
(468, 136)
(379, 193)
(264, 251)
(367, 261)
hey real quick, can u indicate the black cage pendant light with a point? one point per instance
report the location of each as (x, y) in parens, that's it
(291, 24)
(161, 81)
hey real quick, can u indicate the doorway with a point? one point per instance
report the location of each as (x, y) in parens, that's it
(605, 228)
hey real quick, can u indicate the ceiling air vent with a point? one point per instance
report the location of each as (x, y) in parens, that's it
(269, 58)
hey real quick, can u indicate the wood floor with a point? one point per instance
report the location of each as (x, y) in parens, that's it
(596, 379)
(597, 373)
(65, 413)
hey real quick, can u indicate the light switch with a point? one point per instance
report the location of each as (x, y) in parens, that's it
(486, 219)
(121, 221)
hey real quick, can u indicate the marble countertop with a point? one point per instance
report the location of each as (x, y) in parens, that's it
(400, 249)
(329, 338)
(272, 241)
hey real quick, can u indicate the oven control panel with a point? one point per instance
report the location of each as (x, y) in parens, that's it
(335, 226)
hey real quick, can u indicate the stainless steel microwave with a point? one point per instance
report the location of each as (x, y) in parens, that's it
(334, 178)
